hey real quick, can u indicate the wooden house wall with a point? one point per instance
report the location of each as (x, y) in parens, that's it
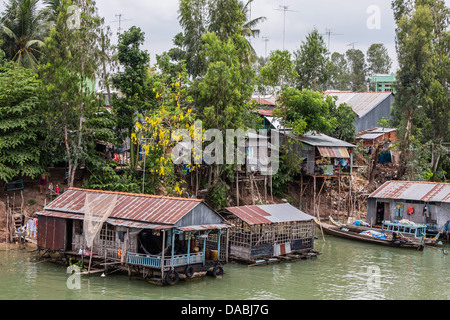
(200, 215)
(439, 211)
(258, 241)
(51, 233)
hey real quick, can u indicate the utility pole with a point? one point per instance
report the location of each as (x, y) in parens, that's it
(352, 45)
(265, 39)
(119, 17)
(329, 33)
(284, 9)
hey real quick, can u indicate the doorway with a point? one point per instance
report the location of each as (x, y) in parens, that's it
(380, 213)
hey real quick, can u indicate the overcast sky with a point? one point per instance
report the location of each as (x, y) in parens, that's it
(353, 23)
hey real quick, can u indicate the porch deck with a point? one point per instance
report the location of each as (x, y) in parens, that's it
(154, 261)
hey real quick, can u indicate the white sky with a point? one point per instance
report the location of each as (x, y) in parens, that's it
(346, 18)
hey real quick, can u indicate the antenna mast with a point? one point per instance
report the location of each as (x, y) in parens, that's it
(284, 9)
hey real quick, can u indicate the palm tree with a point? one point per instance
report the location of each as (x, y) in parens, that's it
(23, 28)
(249, 27)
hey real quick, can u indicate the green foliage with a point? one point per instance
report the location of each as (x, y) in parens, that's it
(217, 195)
(20, 123)
(311, 62)
(306, 110)
(279, 70)
(378, 60)
(357, 70)
(421, 110)
(134, 84)
(23, 28)
(339, 76)
(345, 122)
(224, 92)
(72, 58)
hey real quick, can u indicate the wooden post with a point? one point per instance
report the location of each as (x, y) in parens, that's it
(218, 244)
(339, 196)
(265, 189)
(251, 188)
(237, 187)
(301, 193)
(189, 248)
(162, 254)
(314, 197)
(90, 260)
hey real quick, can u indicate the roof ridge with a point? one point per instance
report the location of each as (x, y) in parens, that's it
(136, 194)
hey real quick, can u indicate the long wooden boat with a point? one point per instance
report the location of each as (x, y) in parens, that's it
(343, 232)
(414, 232)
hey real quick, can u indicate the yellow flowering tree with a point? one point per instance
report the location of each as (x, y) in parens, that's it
(153, 131)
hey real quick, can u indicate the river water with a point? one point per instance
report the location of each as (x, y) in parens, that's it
(346, 270)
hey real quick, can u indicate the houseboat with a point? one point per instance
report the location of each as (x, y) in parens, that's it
(263, 232)
(162, 238)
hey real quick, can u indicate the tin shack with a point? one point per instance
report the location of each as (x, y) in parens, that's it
(420, 202)
(164, 238)
(267, 231)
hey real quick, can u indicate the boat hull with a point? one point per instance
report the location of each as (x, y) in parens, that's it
(336, 231)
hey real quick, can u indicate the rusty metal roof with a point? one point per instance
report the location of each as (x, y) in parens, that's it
(414, 190)
(133, 207)
(271, 213)
(360, 102)
(334, 152)
(114, 222)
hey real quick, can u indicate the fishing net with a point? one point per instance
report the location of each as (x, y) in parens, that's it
(97, 209)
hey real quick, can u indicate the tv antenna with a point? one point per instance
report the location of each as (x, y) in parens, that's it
(352, 45)
(284, 9)
(119, 20)
(329, 33)
(265, 39)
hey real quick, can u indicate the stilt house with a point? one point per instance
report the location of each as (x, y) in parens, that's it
(168, 236)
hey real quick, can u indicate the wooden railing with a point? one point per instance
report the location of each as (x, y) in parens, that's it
(154, 261)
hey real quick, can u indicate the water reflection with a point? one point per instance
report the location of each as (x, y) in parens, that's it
(345, 270)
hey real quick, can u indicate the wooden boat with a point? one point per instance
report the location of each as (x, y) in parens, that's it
(415, 232)
(395, 240)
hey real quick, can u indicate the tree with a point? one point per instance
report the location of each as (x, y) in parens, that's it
(307, 110)
(357, 70)
(224, 93)
(345, 122)
(134, 85)
(193, 15)
(72, 58)
(20, 122)
(414, 43)
(279, 71)
(311, 62)
(225, 18)
(23, 29)
(378, 60)
(339, 75)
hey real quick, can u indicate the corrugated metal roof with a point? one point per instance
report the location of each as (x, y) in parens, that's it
(360, 102)
(320, 139)
(114, 222)
(129, 206)
(334, 152)
(271, 213)
(265, 112)
(414, 190)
